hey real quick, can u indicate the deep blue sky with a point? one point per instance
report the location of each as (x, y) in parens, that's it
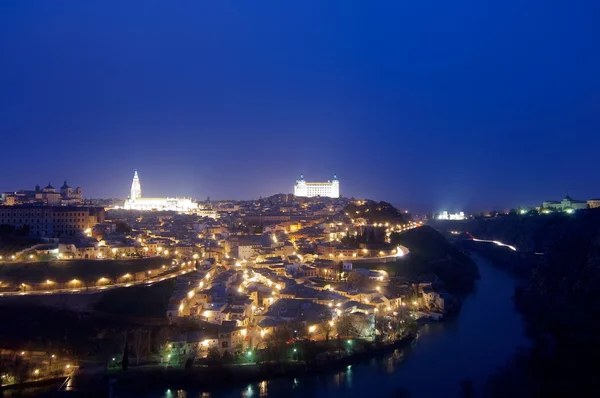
(426, 104)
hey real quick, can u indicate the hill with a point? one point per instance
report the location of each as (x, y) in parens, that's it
(431, 253)
(377, 212)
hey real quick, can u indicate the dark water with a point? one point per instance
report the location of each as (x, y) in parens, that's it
(483, 337)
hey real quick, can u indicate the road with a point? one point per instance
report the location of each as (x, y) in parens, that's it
(98, 289)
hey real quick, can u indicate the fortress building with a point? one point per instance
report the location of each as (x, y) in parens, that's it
(329, 189)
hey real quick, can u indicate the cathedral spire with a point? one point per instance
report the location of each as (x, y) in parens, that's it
(136, 188)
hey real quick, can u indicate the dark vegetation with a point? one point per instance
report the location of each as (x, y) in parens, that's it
(10, 244)
(84, 270)
(560, 301)
(138, 301)
(10, 231)
(431, 253)
(377, 212)
(132, 316)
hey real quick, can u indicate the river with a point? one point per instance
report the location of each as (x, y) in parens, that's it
(485, 334)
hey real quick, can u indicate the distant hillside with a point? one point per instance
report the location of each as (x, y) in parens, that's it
(529, 233)
(431, 253)
(559, 300)
(377, 212)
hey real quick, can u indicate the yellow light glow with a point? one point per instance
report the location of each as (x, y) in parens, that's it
(312, 328)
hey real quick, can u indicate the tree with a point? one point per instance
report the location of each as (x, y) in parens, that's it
(213, 356)
(122, 228)
(6, 230)
(327, 327)
(140, 343)
(356, 279)
(23, 230)
(346, 326)
(189, 364)
(276, 344)
(227, 357)
(125, 361)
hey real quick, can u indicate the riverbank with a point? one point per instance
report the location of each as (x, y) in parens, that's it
(136, 380)
(34, 384)
(476, 343)
(517, 264)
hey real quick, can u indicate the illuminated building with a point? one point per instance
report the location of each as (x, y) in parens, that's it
(451, 216)
(593, 203)
(51, 221)
(329, 189)
(137, 202)
(566, 204)
(44, 196)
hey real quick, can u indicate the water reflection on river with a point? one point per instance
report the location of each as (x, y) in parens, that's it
(484, 335)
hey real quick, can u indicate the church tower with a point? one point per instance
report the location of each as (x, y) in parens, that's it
(136, 189)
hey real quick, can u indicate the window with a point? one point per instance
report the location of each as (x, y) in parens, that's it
(224, 344)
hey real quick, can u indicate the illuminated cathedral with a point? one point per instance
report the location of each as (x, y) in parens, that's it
(137, 202)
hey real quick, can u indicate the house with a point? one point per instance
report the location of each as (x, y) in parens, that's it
(442, 302)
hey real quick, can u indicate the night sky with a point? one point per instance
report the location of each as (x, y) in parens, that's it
(426, 104)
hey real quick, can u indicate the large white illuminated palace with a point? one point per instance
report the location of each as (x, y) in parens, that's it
(329, 189)
(136, 202)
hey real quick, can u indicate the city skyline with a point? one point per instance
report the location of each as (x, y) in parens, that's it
(157, 192)
(477, 108)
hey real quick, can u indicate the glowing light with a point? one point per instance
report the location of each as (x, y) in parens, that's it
(399, 252)
(312, 328)
(191, 294)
